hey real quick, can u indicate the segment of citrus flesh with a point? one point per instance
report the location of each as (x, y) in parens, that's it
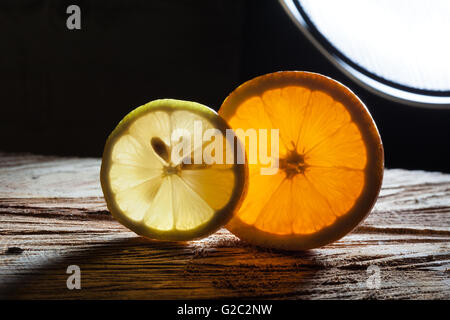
(330, 161)
(152, 188)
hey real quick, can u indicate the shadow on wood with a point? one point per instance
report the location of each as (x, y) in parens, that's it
(137, 268)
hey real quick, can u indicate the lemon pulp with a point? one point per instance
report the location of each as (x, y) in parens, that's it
(157, 195)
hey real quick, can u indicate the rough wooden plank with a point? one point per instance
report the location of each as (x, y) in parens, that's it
(52, 215)
(34, 176)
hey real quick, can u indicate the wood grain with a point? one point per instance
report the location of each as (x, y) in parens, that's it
(52, 215)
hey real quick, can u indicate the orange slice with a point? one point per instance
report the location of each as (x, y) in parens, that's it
(330, 160)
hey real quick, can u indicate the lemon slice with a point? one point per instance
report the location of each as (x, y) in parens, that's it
(156, 181)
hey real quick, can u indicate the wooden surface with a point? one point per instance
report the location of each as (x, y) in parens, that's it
(52, 215)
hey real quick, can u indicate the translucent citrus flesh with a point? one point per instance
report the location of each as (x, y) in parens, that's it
(322, 160)
(154, 192)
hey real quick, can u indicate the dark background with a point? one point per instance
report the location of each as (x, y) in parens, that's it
(63, 91)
